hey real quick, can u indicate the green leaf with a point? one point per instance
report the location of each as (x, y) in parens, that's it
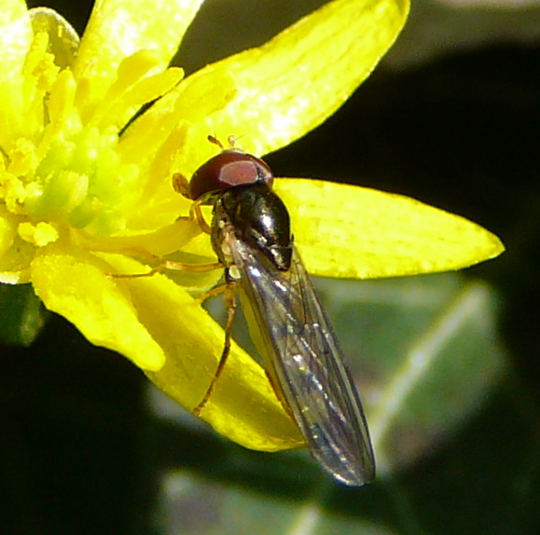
(430, 366)
(429, 356)
(21, 315)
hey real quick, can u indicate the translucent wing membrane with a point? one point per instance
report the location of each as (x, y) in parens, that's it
(305, 362)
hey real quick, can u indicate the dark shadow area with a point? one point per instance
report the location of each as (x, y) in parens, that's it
(73, 428)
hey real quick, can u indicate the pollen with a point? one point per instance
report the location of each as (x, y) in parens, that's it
(13, 192)
(22, 158)
(39, 234)
(58, 166)
(39, 64)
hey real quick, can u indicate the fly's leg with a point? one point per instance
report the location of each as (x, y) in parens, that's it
(195, 214)
(211, 293)
(170, 265)
(181, 185)
(230, 301)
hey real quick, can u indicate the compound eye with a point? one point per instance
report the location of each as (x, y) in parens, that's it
(228, 169)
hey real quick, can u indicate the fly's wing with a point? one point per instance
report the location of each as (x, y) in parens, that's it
(305, 362)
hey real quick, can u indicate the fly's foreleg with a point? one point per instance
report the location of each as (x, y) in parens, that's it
(181, 185)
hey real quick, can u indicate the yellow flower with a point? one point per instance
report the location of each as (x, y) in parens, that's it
(86, 188)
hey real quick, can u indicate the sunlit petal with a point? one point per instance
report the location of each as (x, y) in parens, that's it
(372, 234)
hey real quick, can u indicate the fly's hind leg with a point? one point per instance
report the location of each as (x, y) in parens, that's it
(230, 301)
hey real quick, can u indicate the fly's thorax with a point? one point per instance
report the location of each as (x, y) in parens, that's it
(258, 217)
(222, 232)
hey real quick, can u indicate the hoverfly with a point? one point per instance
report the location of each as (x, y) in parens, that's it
(251, 236)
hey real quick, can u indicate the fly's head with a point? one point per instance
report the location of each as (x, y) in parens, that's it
(239, 186)
(230, 168)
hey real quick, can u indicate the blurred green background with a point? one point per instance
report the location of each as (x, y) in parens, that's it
(448, 363)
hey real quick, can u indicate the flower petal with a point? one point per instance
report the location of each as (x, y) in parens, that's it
(15, 36)
(15, 253)
(170, 336)
(350, 231)
(73, 283)
(63, 39)
(243, 406)
(15, 39)
(291, 84)
(119, 28)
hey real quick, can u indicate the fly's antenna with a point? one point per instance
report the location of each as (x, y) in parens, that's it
(216, 141)
(231, 140)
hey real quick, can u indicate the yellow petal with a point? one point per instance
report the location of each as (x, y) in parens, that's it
(8, 231)
(15, 254)
(119, 110)
(187, 111)
(63, 39)
(15, 39)
(164, 331)
(291, 84)
(165, 240)
(119, 28)
(243, 406)
(72, 283)
(350, 231)
(15, 36)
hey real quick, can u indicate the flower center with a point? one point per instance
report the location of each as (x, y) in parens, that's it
(57, 165)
